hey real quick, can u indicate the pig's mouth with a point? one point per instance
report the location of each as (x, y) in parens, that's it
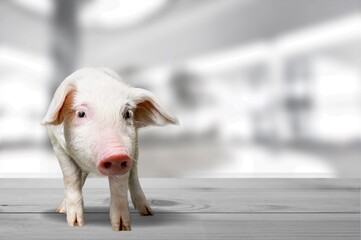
(117, 164)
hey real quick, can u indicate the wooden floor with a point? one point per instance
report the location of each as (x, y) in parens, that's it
(191, 209)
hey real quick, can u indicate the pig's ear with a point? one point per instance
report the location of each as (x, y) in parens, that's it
(53, 115)
(149, 111)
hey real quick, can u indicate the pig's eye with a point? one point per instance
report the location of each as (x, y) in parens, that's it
(128, 114)
(81, 114)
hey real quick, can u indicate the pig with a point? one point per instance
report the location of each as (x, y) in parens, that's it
(92, 122)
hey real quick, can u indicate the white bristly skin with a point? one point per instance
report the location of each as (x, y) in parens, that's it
(93, 123)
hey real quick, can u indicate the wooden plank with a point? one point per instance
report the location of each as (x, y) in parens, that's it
(194, 200)
(268, 195)
(195, 183)
(186, 226)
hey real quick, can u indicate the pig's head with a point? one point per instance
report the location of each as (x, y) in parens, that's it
(100, 116)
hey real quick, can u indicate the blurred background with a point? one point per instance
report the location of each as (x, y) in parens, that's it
(262, 88)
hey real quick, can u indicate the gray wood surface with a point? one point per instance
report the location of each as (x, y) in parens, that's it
(191, 209)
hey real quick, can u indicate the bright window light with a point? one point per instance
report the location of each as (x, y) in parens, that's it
(117, 13)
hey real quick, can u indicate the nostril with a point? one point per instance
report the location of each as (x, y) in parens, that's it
(123, 164)
(107, 164)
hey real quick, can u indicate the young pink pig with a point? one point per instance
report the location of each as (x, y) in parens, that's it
(93, 123)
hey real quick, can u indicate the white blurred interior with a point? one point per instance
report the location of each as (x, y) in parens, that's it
(263, 88)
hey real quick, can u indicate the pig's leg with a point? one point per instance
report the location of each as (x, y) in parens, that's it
(119, 210)
(62, 206)
(137, 194)
(72, 183)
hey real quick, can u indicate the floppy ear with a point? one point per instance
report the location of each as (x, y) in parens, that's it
(53, 115)
(149, 111)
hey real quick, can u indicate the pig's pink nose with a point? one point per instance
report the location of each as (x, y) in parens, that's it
(115, 165)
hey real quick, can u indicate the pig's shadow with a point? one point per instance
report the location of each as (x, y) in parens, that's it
(99, 216)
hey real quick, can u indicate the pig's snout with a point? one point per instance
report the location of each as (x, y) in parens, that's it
(117, 164)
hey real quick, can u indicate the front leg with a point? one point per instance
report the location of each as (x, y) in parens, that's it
(119, 210)
(62, 206)
(74, 199)
(71, 176)
(73, 184)
(137, 194)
